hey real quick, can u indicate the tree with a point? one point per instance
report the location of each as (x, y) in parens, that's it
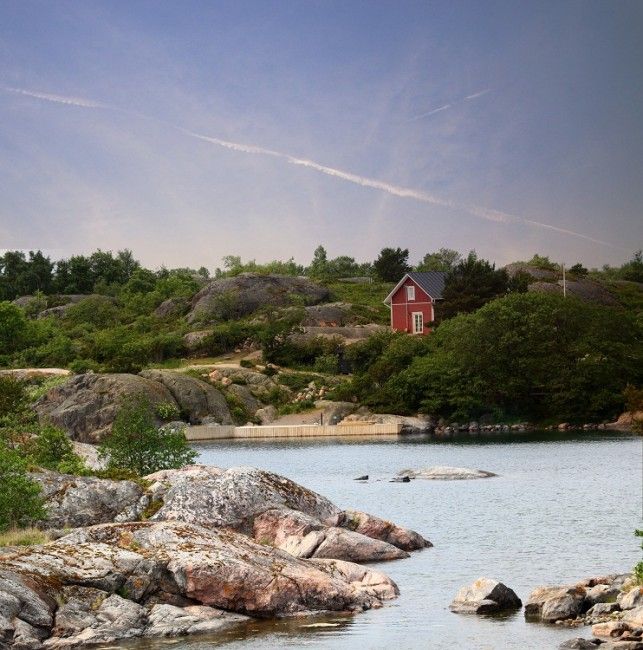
(578, 270)
(137, 445)
(319, 266)
(443, 260)
(13, 327)
(471, 284)
(20, 500)
(391, 264)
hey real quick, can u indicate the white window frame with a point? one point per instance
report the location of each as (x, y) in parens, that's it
(410, 292)
(414, 322)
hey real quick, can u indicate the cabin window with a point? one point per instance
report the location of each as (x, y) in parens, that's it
(418, 322)
(410, 292)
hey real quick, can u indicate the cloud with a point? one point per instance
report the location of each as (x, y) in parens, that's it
(433, 111)
(482, 212)
(478, 94)
(58, 99)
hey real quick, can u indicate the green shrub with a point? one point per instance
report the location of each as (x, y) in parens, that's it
(53, 450)
(247, 363)
(168, 411)
(296, 407)
(13, 395)
(638, 569)
(20, 500)
(327, 364)
(138, 445)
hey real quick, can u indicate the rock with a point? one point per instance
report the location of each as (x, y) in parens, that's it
(485, 596)
(578, 644)
(361, 478)
(197, 342)
(400, 479)
(304, 536)
(73, 501)
(368, 581)
(89, 454)
(335, 412)
(331, 314)
(267, 414)
(610, 629)
(600, 611)
(85, 406)
(172, 307)
(446, 473)
(535, 272)
(386, 531)
(169, 620)
(551, 604)
(634, 617)
(244, 294)
(196, 398)
(235, 496)
(260, 385)
(247, 399)
(227, 570)
(585, 289)
(631, 599)
(409, 425)
(600, 593)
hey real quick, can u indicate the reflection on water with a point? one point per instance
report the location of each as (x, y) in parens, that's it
(563, 507)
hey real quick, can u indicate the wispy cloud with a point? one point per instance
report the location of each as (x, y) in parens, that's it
(455, 102)
(58, 99)
(489, 214)
(478, 94)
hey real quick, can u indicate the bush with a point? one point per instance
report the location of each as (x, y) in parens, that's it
(138, 445)
(168, 411)
(53, 450)
(638, 569)
(20, 500)
(327, 364)
(13, 395)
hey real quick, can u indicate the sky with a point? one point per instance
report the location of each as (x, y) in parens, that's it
(187, 131)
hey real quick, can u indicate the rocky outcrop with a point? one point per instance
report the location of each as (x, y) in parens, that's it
(235, 496)
(408, 424)
(73, 501)
(86, 405)
(246, 293)
(332, 314)
(196, 399)
(304, 536)
(110, 582)
(172, 307)
(589, 601)
(485, 596)
(443, 473)
(376, 528)
(585, 289)
(197, 342)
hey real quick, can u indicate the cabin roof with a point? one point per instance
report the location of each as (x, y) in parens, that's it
(432, 282)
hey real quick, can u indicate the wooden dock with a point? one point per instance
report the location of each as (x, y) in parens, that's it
(203, 432)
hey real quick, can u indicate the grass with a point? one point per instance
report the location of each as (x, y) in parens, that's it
(23, 537)
(366, 298)
(36, 391)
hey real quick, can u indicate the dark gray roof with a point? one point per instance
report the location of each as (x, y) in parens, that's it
(431, 281)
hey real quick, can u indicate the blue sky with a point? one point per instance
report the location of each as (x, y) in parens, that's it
(187, 131)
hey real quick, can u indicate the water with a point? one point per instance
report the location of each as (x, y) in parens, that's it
(562, 508)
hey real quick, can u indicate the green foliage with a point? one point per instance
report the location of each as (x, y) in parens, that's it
(238, 411)
(321, 268)
(23, 537)
(232, 266)
(534, 355)
(366, 300)
(471, 284)
(277, 327)
(327, 364)
(634, 404)
(391, 264)
(638, 568)
(53, 450)
(443, 260)
(13, 328)
(303, 353)
(578, 270)
(20, 500)
(13, 395)
(136, 444)
(298, 380)
(168, 411)
(247, 363)
(543, 262)
(296, 407)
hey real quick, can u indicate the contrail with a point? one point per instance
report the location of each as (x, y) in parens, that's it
(59, 99)
(488, 214)
(454, 103)
(478, 94)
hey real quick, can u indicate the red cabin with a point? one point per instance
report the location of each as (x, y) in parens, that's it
(412, 301)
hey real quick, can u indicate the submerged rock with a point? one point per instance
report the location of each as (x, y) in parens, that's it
(485, 596)
(443, 473)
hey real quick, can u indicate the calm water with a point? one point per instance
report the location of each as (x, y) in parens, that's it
(563, 508)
